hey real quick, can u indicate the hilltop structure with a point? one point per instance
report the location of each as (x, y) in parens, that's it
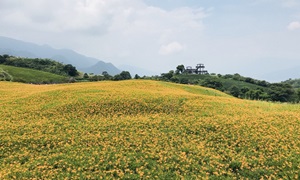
(198, 70)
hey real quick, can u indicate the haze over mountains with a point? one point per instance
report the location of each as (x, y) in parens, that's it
(83, 63)
(272, 69)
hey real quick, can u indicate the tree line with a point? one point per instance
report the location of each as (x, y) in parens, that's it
(105, 76)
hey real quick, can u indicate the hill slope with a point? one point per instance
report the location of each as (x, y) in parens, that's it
(17, 74)
(143, 129)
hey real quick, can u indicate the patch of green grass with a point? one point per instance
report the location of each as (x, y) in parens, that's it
(25, 75)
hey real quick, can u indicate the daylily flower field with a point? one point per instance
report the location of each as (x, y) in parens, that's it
(142, 129)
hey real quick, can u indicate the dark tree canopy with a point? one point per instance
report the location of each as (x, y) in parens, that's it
(235, 91)
(105, 73)
(85, 76)
(70, 70)
(124, 75)
(213, 83)
(180, 68)
(167, 76)
(137, 76)
(2, 59)
(281, 92)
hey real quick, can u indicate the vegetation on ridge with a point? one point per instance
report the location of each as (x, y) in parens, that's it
(236, 85)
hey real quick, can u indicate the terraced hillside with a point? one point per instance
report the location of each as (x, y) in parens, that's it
(143, 130)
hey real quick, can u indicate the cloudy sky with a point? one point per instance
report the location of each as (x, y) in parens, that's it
(250, 37)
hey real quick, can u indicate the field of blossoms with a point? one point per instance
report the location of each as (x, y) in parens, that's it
(140, 129)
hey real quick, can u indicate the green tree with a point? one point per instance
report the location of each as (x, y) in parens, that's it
(6, 56)
(106, 75)
(264, 96)
(125, 75)
(183, 80)
(117, 77)
(228, 76)
(298, 94)
(250, 94)
(180, 69)
(236, 77)
(85, 76)
(2, 59)
(167, 76)
(213, 82)
(244, 90)
(235, 91)
(174, 79)
(281, 92)
(263, 83)
(249, 80)
(137, 76)
(70, 70)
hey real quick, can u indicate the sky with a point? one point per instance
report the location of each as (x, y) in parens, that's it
(250, 37)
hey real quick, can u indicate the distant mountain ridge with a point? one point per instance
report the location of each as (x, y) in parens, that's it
(82, 63)
(272, 69)
(282, 75)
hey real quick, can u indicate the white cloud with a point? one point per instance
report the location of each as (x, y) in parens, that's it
(294, 25)
(62, 16)
(171, 48)
(103, 16)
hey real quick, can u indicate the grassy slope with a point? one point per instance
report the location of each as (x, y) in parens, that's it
(134, 129)
(26, 75)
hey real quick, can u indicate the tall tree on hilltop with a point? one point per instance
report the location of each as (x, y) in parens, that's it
(180, 69)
